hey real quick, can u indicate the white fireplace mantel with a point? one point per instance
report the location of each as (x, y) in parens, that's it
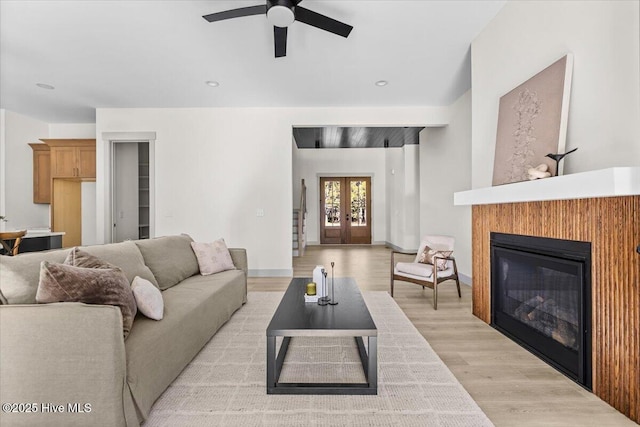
(620, 181)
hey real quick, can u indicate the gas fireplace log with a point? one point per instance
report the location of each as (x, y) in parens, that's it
(524, 309)
(546, 317)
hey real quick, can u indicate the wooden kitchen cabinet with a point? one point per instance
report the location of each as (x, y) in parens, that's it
(87, 161)
(72, 158)
(72, 161)
(41, 173)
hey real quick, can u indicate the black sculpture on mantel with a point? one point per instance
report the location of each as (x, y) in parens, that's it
(558, 157)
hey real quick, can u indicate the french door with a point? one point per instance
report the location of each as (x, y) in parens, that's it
(345, 210)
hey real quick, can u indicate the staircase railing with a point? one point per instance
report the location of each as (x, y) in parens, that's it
(302, 218)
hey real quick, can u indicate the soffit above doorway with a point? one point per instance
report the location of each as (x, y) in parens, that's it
(355, 137)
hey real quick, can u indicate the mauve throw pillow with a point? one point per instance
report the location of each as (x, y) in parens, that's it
(427, 257)
(212, 257)
(103, 286)
(79, 258)
(148, 298)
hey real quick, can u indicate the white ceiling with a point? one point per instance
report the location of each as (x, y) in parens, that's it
(124, 53)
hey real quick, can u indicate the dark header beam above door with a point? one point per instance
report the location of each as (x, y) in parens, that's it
(355, 137)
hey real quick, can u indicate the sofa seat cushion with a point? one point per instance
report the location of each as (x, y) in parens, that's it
(157, 351)
(19, 275)
(170, 258)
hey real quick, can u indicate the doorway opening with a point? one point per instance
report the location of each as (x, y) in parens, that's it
(129, 197)
(345, 210)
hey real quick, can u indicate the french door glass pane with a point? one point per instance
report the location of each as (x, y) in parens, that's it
(332, 203)
(358, 203)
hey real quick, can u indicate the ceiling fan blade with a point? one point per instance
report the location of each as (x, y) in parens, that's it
(237, 13)
(280, 41)
(317, 20)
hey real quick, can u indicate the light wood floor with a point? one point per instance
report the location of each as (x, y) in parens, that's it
(513, 387)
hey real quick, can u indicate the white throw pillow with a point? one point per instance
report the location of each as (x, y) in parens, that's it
(148, 298)
(213, 257)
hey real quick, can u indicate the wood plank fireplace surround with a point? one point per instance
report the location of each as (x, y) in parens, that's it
(603, 209)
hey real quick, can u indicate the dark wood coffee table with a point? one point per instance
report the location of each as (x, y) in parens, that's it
(295, 318)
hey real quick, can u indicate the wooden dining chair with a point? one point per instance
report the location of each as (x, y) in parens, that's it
(16, 236)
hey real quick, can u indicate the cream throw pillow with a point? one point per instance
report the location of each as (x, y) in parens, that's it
(148, 298)
(213, 257)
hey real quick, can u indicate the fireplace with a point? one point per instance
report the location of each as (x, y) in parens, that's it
(541, 298)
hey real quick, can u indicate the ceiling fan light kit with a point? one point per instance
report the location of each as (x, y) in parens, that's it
(281, 14)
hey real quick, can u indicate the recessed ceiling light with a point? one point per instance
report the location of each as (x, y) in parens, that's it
(382, 83)
(212, 83)
(45, 86)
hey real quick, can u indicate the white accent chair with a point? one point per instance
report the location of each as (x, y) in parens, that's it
(426, 275)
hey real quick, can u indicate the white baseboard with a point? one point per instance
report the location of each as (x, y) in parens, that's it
(465, 279)
(273, 272)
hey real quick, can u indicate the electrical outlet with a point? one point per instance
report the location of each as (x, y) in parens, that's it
(260, 212)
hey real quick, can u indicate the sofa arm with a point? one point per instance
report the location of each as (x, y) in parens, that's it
(66, 363)
(239, 258)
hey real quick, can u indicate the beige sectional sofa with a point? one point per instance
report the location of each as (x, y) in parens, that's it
(68, 355)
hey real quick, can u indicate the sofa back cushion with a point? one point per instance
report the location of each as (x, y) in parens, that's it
(126, 256)
(170, 259)
(19, 275)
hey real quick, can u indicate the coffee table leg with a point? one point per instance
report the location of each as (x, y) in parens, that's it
(373, 362)
(271, 363)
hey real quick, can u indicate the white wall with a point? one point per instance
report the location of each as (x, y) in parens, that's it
(311, 164)
(2, 167)
(411, 197)
(17, 168)
(72, 130)
(88, 204)
(394, 161)
(216, 166)
(445, 160)
(403, 195)
(527, 36)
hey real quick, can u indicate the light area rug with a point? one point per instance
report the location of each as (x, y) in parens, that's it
(225, 383)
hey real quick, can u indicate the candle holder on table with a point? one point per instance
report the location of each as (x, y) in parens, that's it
(324, 300)
(333, 281)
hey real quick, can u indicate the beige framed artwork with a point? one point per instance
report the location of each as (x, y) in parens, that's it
(532, 122)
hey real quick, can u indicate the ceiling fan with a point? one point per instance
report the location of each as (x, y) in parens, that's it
(281, 14)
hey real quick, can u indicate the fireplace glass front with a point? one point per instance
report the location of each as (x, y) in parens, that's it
(540, 292)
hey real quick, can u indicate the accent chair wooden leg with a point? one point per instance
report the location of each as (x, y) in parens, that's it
(391, 286)
(458, 284)
(435, 296)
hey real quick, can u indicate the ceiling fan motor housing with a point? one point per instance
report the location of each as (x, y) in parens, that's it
(280, 13)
